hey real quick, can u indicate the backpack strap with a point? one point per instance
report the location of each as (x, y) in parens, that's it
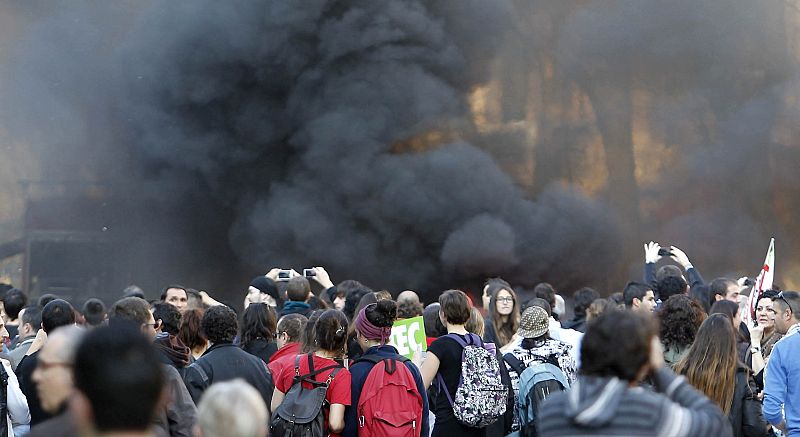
(476, 340)
(389, 361)
(471, 340)
(297, 365)
(515, 363)
(309, 377)
(336, 370)
(443, 388)
(458, 339)
(549, 359)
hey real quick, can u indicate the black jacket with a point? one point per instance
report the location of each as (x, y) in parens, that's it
(745, 414)
(24, 374)
(489, 336)
(223, 362)
(578, 324)
(262, 349)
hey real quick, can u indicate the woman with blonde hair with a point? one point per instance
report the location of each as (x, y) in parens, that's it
(475, 324)
(712, 366)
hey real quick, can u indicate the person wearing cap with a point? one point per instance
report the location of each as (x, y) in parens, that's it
(262, 290)
(537, 346)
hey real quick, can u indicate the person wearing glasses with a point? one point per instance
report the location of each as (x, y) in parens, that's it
(502, 321)
(782, 379)
(178, 415)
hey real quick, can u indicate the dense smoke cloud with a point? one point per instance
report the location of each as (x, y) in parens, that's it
(243, 135)
(271, 127)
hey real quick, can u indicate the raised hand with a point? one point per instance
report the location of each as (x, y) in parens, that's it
(651, 252)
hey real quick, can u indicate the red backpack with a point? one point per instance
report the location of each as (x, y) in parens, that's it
(390, 404)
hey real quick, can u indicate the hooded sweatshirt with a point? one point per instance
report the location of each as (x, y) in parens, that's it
(173, 351)
(610, 407)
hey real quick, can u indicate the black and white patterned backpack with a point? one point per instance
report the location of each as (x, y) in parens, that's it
(481, 396)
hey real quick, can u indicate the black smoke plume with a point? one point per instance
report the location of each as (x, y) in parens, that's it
(249, 134)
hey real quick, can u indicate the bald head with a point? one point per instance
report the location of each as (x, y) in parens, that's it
(63, 342)
(408, 296)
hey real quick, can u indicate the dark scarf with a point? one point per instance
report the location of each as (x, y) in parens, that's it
(291, 306)
(174, 349)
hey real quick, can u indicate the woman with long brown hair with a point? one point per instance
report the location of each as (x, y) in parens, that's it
(502, 321)
(731, 310)
(712, 366)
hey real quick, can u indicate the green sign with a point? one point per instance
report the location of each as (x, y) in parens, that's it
(408, 335)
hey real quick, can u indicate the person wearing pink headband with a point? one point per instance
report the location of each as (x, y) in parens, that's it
(373, 326)
(370, 334)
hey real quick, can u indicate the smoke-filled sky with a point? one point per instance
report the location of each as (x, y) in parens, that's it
(249, 134)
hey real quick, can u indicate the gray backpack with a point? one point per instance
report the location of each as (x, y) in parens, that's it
(536, 383)
(301, 413)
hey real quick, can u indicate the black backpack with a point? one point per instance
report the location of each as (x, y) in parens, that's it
(301, 413)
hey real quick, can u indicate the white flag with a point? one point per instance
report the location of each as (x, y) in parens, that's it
(763, 282)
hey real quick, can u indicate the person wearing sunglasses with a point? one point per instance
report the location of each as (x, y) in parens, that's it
(782, 380)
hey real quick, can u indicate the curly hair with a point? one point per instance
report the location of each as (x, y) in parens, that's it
(382, 314)
(680, 317)
(220, 324)
(407, 309)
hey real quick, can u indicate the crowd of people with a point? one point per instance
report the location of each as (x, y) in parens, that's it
(666, 356)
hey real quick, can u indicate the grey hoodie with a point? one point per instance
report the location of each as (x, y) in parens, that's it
(609, 407)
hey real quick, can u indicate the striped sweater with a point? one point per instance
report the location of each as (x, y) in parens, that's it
(609, 407)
